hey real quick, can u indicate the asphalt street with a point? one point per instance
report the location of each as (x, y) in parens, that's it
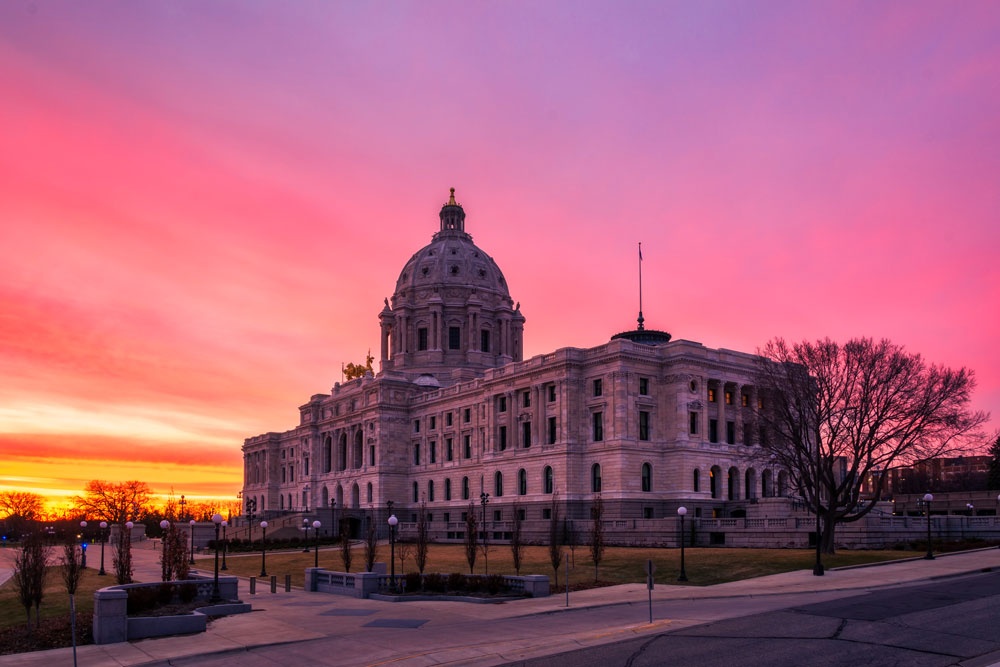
(951, 622)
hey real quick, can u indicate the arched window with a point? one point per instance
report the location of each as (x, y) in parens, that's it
(595, 478)
(750, 484)
(369, 494)
(733, 484)
(447, 489)
(430, 490)
(290, 505)
(647, 477)
(765, 484)
(782, 484)
(547, 479)
(465, 488)
(498, 484)
(342, 454)
(281, 502)
(713, 476)
(358, 456)
(326, 497)
(522, 482)
(355, 496)
(697, 480)
(328, 454)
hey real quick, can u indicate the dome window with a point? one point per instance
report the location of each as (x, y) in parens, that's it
(454, 269)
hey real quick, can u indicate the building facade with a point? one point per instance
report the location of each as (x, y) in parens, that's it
(456, 415)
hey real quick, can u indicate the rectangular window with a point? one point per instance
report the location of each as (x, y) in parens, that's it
(526, 399)
(547, 513)
(502, 404)
(647, 512)
(552, 430)
(745, 400)
(305, 466)
(503, 438)
(598, 420)
(713, 430)
(729, 397)
(693, 423)
(467, 446)
(644, 386)
(747, 434)
(448, 453)
(416, 426)
(371, 455)
(731, 433)
(434, 423)
(484, 340)
(434, 451)
(422, 339)
(552, 393)
(598, 387)
(447, 419)
(416, 455)
(467, 415)
(526, 434)
(711, 396)
(498, 515)
(643, 425)
(454, 338)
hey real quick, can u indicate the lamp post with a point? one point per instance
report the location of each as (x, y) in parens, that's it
(263, 552)
(182, 503)
(191, 523)
(927, 513)
(306, 527)
(251, 510)
(225, 544)
(217, 520)
(104, 538)
(83, 544)
(393, 522)
(164, 556)
(316, 525)
(681, 511)
(334, 526)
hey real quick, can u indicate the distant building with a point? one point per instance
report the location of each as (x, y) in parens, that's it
(455, 413)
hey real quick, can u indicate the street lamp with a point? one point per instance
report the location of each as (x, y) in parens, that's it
(217, 520)
(681, 511)
(306, 527)
(182, 503)
(83, 545)
(225, 544)
(104, 538)
(191, 523)
(251, 509)
(393, 522)
(164, 556)
(263, 540)
(927, 509)
(316, 525)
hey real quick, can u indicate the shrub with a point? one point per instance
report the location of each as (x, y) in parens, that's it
(456, 581)
(140, 600)
(413, 582)
(474, 583)
(165, 593)
(188, 592)
(494, 584)
(434, 582)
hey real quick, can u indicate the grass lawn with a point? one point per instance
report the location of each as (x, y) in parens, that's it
(620, 565)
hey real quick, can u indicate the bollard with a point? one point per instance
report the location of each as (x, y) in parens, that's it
(274, 583)
(288, 583)
(253, 585)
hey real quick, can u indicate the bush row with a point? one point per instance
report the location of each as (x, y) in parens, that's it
(456, 582)
(145, 598)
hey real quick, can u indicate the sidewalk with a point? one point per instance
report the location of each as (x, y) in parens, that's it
(294, 617)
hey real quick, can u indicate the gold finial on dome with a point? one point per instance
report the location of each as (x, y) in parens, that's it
(451, 199)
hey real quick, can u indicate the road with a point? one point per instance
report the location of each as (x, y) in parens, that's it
(951, 622)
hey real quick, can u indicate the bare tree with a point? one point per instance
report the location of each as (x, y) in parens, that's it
(555, 548)
(345, 546)
(174, 558)
(29, 573)
(405, 549)
(993, 476)
(423, 539)
(516, 540)
(597, 534)
(833, 415)
(121, 558)
(20, 508)
(115, 502)
(471, 545)
(371, 544)
(72, 572)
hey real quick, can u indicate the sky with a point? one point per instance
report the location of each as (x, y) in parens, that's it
(203, 204)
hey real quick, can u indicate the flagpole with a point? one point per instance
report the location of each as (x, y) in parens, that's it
(640, 286)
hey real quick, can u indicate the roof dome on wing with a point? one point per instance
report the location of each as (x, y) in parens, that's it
(452, 259)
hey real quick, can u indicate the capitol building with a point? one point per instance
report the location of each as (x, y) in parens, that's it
(455, 414)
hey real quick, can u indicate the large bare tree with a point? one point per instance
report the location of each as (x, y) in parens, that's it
(20, 508)
(832, 415)
(115, 502)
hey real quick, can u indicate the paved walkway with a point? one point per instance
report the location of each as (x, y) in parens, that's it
(368, 632)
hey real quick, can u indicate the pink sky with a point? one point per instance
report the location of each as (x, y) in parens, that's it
(202, 205)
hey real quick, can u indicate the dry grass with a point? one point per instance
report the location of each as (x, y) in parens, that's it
(620, 564)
